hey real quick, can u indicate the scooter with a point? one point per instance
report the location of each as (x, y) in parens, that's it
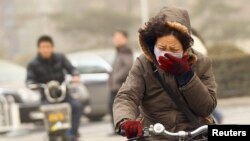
(57, 114)
(159, 129)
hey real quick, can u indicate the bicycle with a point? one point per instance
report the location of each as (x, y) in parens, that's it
(159, 129)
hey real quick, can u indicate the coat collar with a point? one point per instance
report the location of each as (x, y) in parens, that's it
(39, 57)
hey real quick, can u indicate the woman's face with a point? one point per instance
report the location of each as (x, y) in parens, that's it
(169, 43)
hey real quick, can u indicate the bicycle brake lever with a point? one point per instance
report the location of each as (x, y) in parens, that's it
(146, 134)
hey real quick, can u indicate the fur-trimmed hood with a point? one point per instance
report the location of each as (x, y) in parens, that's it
(177, 19)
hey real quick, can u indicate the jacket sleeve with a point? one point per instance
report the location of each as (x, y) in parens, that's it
(129, 96)
(122, 74)
(31, 77)
(69, 67)
(201, 92)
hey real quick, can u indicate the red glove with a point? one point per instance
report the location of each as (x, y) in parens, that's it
(175, 66)
(132, 129)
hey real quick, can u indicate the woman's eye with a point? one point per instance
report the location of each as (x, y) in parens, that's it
(174, 49)
(162, 48)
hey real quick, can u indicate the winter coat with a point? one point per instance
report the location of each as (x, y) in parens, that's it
(142, 97)
(121, 66)
(40, 70)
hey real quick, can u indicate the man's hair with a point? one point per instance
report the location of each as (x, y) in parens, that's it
(45, 38)
(123, 32)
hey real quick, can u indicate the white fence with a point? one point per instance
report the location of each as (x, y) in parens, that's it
(9, 114)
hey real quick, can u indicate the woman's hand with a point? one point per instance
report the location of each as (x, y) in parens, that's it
(179, 67)
(132, 129)
(174, 65)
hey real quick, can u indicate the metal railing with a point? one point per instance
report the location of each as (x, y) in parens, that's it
(4, 114)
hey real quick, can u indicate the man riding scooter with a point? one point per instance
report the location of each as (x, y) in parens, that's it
(48, 66)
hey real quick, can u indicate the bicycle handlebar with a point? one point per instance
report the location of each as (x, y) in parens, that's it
(159, 129)
(46, 89)
(36, 86)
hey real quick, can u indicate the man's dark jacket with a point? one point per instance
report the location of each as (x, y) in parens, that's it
(41, 70)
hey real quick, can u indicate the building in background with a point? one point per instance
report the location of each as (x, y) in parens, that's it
(83, 24)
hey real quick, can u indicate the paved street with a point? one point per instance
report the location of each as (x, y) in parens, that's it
(236, 111)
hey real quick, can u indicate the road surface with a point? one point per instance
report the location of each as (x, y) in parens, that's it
(235, 111)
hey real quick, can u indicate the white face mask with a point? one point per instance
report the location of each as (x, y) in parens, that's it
(159, 53)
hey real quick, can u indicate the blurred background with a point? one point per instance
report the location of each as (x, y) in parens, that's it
(83, 28)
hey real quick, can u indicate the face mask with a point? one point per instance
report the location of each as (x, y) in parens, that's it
(159, 53)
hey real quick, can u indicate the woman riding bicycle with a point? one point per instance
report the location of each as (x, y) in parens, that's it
(166, 44)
